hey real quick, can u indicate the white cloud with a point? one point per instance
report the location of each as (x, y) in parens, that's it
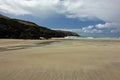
(108, 25)
(40, 8)
(104, 9)
(113, 27)
(87, 30)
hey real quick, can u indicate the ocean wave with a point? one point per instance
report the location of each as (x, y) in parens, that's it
(76, 37)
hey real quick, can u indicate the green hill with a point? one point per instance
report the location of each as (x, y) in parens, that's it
(20, 29)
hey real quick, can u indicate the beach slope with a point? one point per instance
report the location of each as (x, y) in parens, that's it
(83, 59)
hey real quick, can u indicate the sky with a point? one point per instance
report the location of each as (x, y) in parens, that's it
(98, 18)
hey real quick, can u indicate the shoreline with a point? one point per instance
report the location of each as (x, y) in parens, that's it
(17, 44)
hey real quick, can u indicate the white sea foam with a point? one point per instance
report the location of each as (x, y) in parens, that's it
(76, 37)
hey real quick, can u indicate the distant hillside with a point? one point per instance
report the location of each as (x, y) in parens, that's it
(20, 29)
(67, 33)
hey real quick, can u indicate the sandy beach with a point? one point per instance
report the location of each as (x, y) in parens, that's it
(60, 59)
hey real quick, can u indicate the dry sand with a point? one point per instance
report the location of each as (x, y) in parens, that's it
(82, 59)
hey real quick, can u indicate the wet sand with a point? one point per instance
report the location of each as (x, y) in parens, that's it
(84, 59)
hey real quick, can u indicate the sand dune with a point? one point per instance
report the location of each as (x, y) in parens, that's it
(66, 60)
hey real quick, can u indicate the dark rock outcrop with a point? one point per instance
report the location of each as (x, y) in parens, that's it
(19, 29)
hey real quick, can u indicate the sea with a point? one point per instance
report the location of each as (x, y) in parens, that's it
(89, 37)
